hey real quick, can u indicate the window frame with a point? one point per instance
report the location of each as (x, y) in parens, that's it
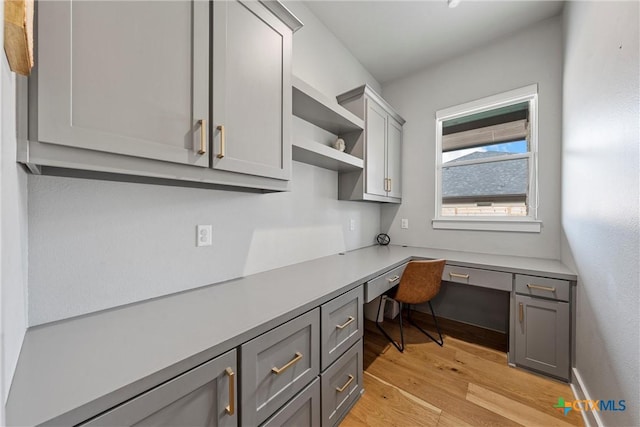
(529, 223)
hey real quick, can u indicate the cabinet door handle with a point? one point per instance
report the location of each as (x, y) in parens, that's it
(459, 275)
(521, 313)
(343, 388)
(389, 190)
(540, 287)
(231, 409)
(393, 279)
(203, 137)
(222, 141)
(347, 323)
(293, 361)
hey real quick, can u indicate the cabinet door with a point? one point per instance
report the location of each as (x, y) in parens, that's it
(124, 77)
(394, 158)
(341, 325)
(251, 96)
(341, 385)
(375, 161)
(200, 397)
(542, 335)
(302, 410)
(277, 365)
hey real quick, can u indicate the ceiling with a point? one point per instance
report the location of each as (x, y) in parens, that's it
(392, 39)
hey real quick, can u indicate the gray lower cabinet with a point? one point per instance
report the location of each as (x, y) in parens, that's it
(381, 143)
(125, 87)
(277, 365)
(341, 325)
(342, 385)
(542, 335)
(203, 396)
(302, 410)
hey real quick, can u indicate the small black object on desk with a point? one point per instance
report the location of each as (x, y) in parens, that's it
(383, 239)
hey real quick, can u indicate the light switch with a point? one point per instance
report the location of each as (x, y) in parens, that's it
(404, 223)
(352, 224)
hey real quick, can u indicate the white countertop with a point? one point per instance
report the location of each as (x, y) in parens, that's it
(76, 368)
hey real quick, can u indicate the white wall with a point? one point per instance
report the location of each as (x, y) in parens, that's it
(600, 163)
(98, 244)
(533, 55)
(13, 235)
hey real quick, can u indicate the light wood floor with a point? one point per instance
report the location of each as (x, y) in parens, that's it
(460, 384)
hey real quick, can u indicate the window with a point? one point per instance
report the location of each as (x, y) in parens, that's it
(486, 163)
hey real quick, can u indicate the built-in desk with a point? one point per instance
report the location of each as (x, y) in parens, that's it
(72, 370)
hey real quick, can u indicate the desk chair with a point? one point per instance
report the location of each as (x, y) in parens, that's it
(420, 283)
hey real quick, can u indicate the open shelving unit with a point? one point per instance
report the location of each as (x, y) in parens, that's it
(316, 108)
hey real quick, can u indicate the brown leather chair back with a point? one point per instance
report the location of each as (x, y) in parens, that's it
(420, 281)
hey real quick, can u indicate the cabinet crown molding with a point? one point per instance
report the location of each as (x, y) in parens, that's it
(284, 14)
(366, 90)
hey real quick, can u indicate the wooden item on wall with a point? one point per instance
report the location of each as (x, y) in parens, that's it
(18, 35)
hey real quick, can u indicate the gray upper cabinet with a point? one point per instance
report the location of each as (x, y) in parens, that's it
(204, 396)
(251, 95)
(194, 91)
(394, 158)
(375, 158)
(381, 143)
(124, 77)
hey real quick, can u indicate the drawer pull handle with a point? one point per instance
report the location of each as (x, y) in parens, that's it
(459, 276)
(222, 142)
(542, 288)
(203, 137)
(343, 388)
(293, 361)
(232, 392)
(521, 312)
(345, 324)
(393, 279)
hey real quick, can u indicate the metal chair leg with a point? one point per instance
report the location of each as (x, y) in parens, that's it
(440, 342)
(400, 346)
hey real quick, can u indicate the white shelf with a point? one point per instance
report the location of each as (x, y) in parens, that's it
(311, 105)
(314, 153)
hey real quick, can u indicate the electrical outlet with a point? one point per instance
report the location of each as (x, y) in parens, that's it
(203, 235)
(404, 223)
(352, 224)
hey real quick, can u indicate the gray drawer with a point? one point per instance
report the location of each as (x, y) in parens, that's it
(302, 410)
(341, 385)
(200, 396)
(477, 277)
(292, 350)
(341, 325)
(543, 287)
(381, 284)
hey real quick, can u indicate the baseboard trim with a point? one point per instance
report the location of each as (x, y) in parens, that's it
(580, 392)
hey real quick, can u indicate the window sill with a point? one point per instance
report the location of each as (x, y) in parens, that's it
(522, 226)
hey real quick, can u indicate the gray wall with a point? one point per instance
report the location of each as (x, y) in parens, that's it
(323, 61)
(533, 55)
(13, 232)
(600, 164)
(97, 244)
